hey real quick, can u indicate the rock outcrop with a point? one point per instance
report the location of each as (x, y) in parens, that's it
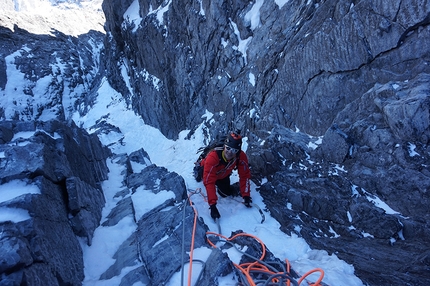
(50, 195)
(376, 152)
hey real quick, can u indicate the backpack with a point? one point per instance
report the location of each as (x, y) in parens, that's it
(217, 145)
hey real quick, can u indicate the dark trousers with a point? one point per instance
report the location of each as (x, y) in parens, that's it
(225, 189)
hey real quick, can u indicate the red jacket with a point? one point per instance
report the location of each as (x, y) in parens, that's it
(217, 168)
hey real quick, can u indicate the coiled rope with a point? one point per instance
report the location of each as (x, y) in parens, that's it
(251, 273)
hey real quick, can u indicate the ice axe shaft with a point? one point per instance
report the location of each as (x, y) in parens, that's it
(263, 217)
(218, 225)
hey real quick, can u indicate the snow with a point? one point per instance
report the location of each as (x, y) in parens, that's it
(145, 200)
(411, 148)
(281, 3)
(14, 86)
(16, 188)
(179, 156)
(202, 11)
(243, 44)
(11, 190)
(252, 79)
(314, 145)
(380, 203)
(160, 11)
(373, 199)
(253, 15)
(132, 15)
(13, 215)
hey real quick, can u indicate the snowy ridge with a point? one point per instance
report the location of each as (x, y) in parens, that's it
(42, 16)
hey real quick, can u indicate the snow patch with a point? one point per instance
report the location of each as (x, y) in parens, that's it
(16, 188)
(243, 44)
(281, 3)
(251, 77)
(253, 15)
(13, 215)
(131, 16)
(412, 151)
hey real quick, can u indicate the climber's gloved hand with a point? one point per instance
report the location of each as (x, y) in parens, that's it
(247, 201)
(214, 212)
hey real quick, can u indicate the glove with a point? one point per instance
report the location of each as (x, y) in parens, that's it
(214, 212)
(248, 201)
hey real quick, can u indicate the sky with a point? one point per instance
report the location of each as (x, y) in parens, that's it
(177, 156)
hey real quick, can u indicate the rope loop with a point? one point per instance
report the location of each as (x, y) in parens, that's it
(253, 272)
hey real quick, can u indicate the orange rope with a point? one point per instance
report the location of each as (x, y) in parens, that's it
(199, 191)
(247, 268)
(317, 283)
(287, 263)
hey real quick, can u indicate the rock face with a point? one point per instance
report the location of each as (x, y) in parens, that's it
(60, 167)
(47, 76)
(296, 64)
(333, 193)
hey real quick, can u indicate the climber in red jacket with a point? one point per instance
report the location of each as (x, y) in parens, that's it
(218, 166)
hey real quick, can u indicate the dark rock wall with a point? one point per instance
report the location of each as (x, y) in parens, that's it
(333, 195)
(67, 165)
(309, 59)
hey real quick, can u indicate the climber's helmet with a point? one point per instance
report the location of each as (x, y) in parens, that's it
(233, 142)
